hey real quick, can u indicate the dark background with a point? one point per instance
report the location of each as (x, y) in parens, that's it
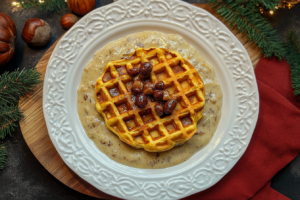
(25, 178)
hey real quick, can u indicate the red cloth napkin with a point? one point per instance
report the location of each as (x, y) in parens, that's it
(275, 141)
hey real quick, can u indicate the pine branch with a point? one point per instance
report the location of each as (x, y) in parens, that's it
(13, 86)
(16, 84)
(292, 47)
(50, 5)
(9, 117)
(247, 19)
(266, 4)
(3, 154)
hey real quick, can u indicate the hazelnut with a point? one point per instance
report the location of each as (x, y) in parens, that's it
(141, 101)
(68, 20)
(158, 95)
(146, 68)
(133, 72)
(137, 87)
(160, 85)
(36, 32)
(170, 106)
(159, 109)
(136, 90)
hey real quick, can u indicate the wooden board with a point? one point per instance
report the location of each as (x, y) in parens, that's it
(36, 135)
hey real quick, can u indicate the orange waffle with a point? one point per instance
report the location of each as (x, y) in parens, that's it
(143, 128)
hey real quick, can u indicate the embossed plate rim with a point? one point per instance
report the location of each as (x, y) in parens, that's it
(124, 185)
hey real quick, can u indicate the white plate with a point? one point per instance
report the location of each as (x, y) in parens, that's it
(217, 45)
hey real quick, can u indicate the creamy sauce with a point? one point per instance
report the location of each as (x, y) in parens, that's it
(107, 141)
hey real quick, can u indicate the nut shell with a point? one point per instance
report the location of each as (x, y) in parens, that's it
(170, 106)
(158, 95)
(159, 109)
(160, 85)
(141, 101)
(133, 72)
(68, 20)
(146, 68)
(36, 32)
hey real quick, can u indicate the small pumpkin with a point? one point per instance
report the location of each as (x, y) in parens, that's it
(81, 7)
(8, 34)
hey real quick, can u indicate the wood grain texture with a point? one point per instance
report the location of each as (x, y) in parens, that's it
(35, 132)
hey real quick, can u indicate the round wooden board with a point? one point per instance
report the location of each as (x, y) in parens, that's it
(35, 132)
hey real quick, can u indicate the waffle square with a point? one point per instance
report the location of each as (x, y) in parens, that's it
(143, 128)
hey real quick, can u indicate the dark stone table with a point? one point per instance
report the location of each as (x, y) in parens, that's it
(25, 178)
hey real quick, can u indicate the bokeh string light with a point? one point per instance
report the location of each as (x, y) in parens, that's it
(289, 4)
(283, 4)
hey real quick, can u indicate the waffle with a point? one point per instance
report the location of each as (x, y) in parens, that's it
(143, 128)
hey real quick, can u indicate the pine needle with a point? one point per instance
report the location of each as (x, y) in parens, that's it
(245, 17)
(267, 4)
(49, 5)
(16, 84)
(13, 86)
(292, 47)
(9, 118)
(3, 154)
